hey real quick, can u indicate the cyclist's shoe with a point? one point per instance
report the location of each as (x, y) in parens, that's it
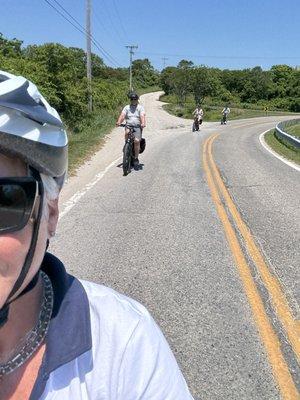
(136, 164)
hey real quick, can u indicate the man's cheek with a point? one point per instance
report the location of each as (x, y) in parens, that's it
(4, 268)
(13, 250)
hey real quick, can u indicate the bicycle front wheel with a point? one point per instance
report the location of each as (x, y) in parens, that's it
(126, 158)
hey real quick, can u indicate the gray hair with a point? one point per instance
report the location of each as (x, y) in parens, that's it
(51, 191)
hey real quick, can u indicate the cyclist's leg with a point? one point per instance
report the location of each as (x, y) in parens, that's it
(136, 148)
(137, 140)
(126, 133)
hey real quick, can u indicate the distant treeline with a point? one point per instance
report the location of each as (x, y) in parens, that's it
(60, 74)
(278, 88)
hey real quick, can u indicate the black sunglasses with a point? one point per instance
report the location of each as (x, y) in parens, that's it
(17, 201)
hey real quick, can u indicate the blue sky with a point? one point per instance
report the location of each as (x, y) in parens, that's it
(220, 33)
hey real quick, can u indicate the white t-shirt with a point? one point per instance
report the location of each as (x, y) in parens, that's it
(133, 114)
(226, 110)
(129, 359)
(198, 112)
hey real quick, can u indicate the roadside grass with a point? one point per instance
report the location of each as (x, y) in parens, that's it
(89, 136)
(213, 112)
(293, 130)
(284, 150)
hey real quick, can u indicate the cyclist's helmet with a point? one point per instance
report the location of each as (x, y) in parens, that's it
(30, 128)
(133, 96)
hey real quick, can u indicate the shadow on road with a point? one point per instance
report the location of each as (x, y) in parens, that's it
(140, 167)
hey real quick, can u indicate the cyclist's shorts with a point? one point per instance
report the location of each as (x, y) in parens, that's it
(138, 133)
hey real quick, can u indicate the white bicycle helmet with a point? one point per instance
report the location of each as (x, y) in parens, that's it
(30, 128)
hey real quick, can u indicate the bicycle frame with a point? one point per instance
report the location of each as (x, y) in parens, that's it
(128, 149)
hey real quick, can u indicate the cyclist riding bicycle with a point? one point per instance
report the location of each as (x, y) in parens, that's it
(198, 113)
(225, 113)
(134, 115)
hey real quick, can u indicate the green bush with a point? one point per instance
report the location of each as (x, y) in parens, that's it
(60, 74)
(278, 88)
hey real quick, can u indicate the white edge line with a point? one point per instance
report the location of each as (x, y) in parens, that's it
(267, 147)
(68, 205)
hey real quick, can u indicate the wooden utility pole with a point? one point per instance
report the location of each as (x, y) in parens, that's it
(89, 55)
(164, 61)
(131, 53)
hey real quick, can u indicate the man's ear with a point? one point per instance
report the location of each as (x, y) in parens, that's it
(53, 217)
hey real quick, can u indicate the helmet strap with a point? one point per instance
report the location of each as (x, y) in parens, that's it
(4, 315)
(29, 257)
(5, 309)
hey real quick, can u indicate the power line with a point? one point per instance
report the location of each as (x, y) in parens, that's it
(112, 22)
(82, 30)
(108, 31)
(120, 20)
(51, 5)
(95, 42)
(102, 25)
(216, 56)
(98, 20)
(67, 12)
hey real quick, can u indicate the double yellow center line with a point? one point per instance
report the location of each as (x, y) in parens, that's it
(280, 304)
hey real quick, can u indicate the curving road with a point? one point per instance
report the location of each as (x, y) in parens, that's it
(157, 236)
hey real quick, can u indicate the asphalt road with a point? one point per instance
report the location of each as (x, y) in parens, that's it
(156, 236)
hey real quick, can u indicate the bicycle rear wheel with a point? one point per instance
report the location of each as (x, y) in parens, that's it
(126, 158)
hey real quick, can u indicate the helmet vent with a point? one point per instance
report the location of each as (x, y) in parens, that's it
(19, 99)
(3, 78)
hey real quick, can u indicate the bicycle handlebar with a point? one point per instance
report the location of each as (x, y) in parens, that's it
(129, 126)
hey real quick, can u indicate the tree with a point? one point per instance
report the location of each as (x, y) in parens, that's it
(167, 79)
(10, 48)
(143, 73)
(60, 74)
(203, 83)
(185, 64)
(181, 84)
